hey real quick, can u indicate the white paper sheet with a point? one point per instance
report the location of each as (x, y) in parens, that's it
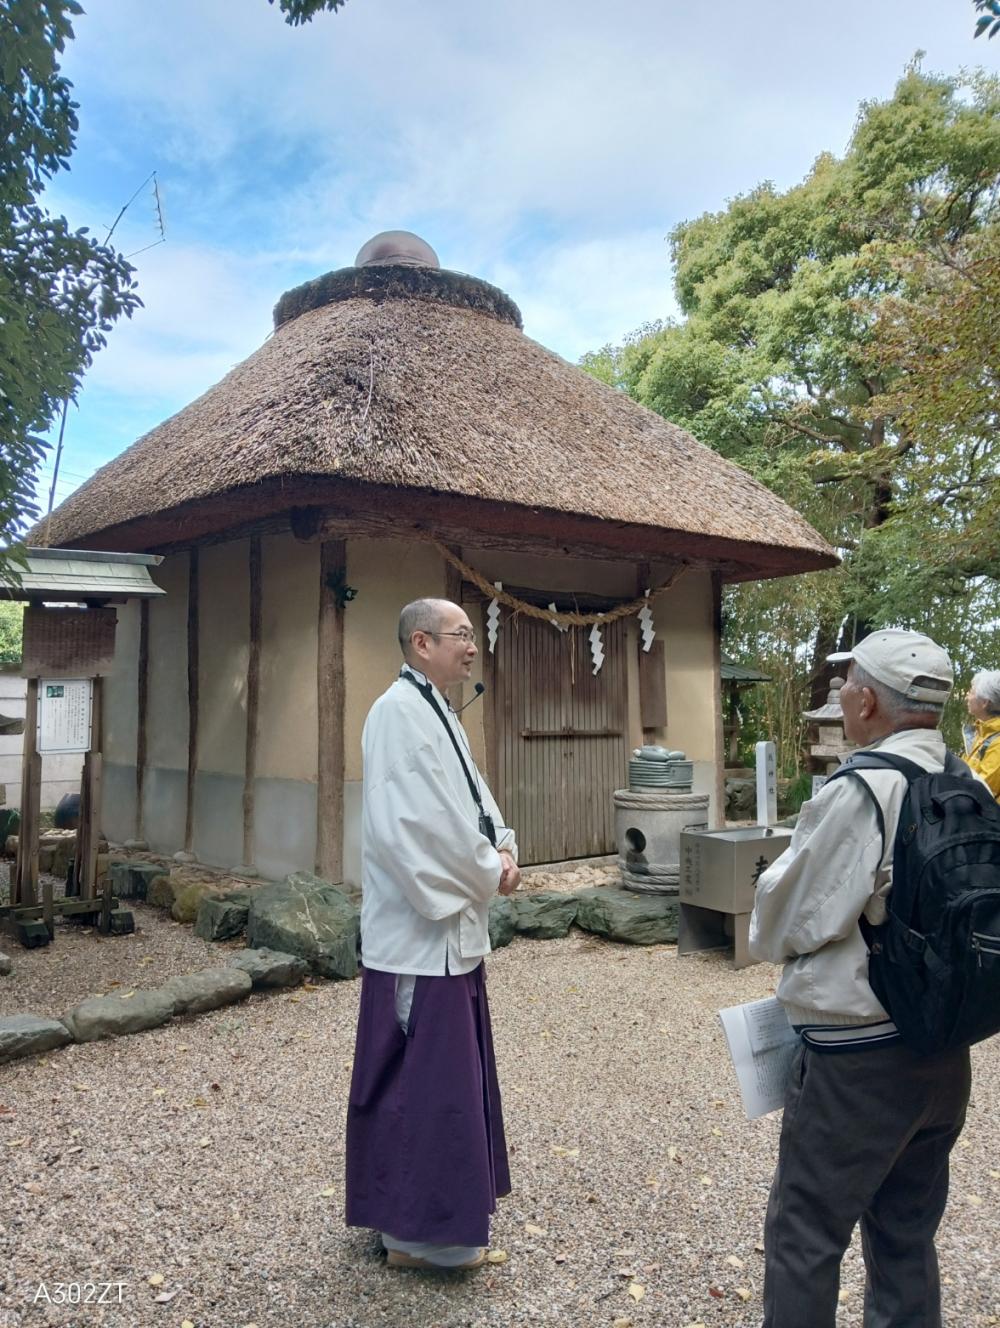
(762, 1044)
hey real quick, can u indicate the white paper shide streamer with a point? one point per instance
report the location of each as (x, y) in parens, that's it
(493, 620)
(560, 627)
(596, 647)
(646, 625)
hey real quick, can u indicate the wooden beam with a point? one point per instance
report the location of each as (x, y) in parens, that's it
(253, 701)
(653, 686)
(453, 591)
(720, 736)
(330, 684)
(93, 778)
(192, 679)
(454, 518)
(141, 732)
(25, 876)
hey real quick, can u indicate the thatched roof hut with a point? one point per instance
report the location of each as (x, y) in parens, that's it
(388, 387)
(400, 436)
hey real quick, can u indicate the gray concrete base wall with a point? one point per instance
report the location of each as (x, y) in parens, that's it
(164, 801)
(352, 832)
(218, 819)
(284, 817)
(284, 826)
(118, 801)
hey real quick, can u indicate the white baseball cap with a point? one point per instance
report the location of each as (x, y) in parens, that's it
(908, 662)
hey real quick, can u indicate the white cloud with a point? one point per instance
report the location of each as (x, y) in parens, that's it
(547, 147)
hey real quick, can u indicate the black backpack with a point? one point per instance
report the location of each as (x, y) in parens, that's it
(935, 961)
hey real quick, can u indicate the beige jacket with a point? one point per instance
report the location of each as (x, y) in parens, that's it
(809, 900)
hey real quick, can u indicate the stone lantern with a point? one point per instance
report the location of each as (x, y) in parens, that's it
(827, 744)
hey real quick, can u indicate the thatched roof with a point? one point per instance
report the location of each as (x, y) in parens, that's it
(409, 389)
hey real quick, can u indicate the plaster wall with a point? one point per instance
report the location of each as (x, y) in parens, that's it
(387, 574)
(287, 718)
(223, 654)
(121, 690)
(684, 617)
(167, 714)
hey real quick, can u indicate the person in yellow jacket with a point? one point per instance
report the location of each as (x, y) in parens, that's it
(982, 742)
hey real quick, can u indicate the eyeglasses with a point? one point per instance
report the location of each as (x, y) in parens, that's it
(464, 634)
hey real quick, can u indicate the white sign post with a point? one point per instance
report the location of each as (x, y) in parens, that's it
(64, 713)
(767, 783)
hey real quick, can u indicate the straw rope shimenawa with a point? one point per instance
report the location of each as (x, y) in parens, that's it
(561, 617)
(394, 387)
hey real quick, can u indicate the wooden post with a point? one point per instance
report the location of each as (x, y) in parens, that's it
(93, 772)
(23, 889)
(330, 684)
(720, 742)
(453, 592)
(192, 678)
(141, 738)
(253, 700)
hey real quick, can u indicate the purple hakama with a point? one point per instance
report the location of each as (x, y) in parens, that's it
(426, 1154)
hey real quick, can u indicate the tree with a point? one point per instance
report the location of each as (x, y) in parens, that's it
(60, 291)
(990, 22)
(841, 343)
(302, 11)
(783, 365)
(11, 631)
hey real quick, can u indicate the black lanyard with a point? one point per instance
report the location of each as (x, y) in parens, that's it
(486, 825)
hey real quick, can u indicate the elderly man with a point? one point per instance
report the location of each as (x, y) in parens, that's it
(868, 1124)
(426, 1156)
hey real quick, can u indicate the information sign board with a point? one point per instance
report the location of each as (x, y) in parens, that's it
(64, 714)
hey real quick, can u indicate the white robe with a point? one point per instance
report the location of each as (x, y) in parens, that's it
(428, 872)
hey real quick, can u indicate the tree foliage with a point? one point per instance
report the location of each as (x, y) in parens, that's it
(11, 631)
(303, 11)
(990, 20)
(811, 319)
(60, 291)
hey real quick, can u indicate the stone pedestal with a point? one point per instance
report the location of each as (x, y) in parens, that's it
(648, 833)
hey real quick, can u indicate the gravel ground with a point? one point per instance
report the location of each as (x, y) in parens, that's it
(210, 1153)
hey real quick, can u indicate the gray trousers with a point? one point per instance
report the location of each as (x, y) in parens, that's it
(866, 1136)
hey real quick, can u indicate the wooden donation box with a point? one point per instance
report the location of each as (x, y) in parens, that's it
(719, 874)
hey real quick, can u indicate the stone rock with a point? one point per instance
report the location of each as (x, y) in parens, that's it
(270, 968)
(27, 1035)
(306, 916)
(502, 921)
(741, 799)
(621, 916)
(6, 965)
(136, 846)
(162, 891)
(113, 1016)
(188, 896)
(194, 993)
(544, 915)
(132, 880)
(221, 917)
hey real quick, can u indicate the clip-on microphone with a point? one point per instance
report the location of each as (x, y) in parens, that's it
(480, 688)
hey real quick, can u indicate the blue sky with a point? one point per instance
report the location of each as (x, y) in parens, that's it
(548, 146)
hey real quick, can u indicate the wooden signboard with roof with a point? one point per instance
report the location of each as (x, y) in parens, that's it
(68, 650)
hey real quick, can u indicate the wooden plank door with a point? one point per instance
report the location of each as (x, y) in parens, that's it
(561, 738)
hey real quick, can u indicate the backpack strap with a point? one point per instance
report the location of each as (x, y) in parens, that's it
(910, 771)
